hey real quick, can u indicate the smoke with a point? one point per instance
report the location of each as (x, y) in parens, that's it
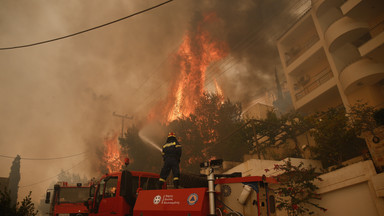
(148, 141)
(58, 98)
(153, 134)
(251, 29)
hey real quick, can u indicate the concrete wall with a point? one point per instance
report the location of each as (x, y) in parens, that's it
(257, 111)
(355, 190)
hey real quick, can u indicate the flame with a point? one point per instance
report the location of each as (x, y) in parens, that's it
(197, 51)
(112, 156)
(219, 91)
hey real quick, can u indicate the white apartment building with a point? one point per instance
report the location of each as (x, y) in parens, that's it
(334, 55)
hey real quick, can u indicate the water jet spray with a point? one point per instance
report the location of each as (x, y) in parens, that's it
(148, 141)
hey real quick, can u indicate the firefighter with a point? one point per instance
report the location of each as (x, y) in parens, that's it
(125, 166)
(171, 157)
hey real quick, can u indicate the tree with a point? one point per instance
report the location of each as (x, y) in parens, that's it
(71, 178)
(26, 208)
(274, 132)
(14, 179)
(266, 133)
(297, 191)
(362, 118)
(204, 134)
(188, 134)
(294, 124)
(138, 151)
(335, 137)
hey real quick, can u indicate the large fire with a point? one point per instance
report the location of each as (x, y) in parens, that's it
(112, 156)
(197, 51)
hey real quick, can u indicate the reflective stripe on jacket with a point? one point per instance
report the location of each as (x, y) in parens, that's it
(172, 149)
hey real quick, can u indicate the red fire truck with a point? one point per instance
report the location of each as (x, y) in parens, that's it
(68, 200)
(130, 193)
(116, 193)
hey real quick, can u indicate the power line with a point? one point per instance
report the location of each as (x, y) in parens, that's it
(55, 158)
(87, 30)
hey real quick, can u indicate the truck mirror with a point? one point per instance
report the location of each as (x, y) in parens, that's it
(48, 197)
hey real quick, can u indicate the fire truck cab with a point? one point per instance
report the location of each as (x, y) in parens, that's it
(67, 199)
(116, 193)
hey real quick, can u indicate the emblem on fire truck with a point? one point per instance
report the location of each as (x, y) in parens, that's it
(192, 199)
(157, 199)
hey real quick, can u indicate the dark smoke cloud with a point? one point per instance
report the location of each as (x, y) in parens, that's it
(251, 29)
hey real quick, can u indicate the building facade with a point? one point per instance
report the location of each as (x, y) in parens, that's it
(334, 55)
(4, 184)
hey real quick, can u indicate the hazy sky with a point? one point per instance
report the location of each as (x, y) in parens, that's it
(57, 99)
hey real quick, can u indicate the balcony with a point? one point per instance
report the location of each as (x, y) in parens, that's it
(349, 5)
(360, 73)
(372, 47)
(343, 31)
(319, 79)
(295, 52)
(322, 6)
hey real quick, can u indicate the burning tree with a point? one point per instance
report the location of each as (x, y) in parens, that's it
(182, 110)
(196, 53)
(200, 134)
(112, 159)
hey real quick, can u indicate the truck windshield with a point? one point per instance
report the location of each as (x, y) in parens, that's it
(74, 194)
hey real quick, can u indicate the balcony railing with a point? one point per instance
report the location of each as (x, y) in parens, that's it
(294, 53)
(320, 79)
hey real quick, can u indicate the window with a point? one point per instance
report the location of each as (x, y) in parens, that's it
(110, 187)
(74, 194)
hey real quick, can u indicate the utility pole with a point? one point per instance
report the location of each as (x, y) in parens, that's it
(122, 121)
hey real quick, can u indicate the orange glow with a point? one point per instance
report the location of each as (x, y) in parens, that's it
(112, 156)
(197, 51)
(219, 91)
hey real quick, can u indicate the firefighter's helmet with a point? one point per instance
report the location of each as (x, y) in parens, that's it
(171, 134)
